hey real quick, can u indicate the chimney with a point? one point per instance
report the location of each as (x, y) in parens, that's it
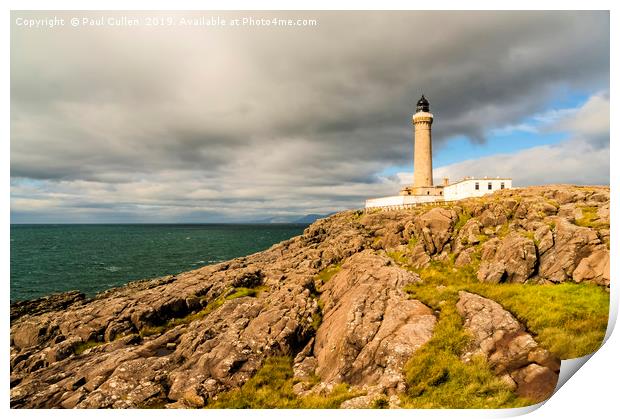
(446, 181)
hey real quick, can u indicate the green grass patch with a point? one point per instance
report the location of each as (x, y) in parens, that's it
(589, 218)
(399, 257)
(567, 319)
(272, 388)
(82, 347)
(463, 218)
(326, 274)
(503, 231)
(436, 375)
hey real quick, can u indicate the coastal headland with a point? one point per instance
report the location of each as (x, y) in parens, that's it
(461, 304)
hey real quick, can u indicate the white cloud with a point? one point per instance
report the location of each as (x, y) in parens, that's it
(122, 124)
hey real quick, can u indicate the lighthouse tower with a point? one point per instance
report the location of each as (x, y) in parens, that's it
(422, 149)
(422, 153)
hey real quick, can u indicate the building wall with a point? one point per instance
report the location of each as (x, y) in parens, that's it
(401, 201)
(467, 188)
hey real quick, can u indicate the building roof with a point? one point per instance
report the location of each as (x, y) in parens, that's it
(487, 178)
(422, 105)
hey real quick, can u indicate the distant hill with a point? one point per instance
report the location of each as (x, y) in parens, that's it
(294, 219)
(310, 218)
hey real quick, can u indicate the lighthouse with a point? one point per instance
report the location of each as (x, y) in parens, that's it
(423, 192)
(422, 149)
(422, 121)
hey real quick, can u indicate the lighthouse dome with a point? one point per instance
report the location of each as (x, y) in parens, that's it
(422, 105)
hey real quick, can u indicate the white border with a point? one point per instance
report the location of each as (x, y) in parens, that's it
(592, 393)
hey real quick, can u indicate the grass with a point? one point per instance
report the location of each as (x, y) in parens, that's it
(503, 231)
(229, 294)
(322, 278)
(567, 319)
(436, 375)
(399, 257)
(463, 218)
(272, 388)
(82, 347)
(326, 274)
(588, 218)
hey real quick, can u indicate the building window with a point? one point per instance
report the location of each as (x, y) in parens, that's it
(477, 186)
(501, 186)
(490, 186)
(428, 192)
(440, 193)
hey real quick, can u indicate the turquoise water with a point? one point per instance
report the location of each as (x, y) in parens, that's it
(91, 258)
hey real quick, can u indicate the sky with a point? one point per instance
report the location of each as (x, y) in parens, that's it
(179, 123)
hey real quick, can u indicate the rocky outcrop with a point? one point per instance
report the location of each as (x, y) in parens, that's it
(594, 268)
(571, 244)
(370, 327)
(511, 259)
(42, 305)
(181, 340)
(434, 228)
(511, 352)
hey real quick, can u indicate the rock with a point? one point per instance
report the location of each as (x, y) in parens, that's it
(370, 328)
(535, 382)
(571, 245)
(418, 257)
(75, 383)
(465, 257)
(248, 278)
(594, 268)
(469, 234)
(42, 305)
(510, 350)
(513, 260)
(544, 236)
(603, 213)
(493, 217)
(30, 333)
(434, 228)
(73, 399)
(361, 402)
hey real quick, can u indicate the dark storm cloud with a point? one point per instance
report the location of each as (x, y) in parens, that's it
(280, 112)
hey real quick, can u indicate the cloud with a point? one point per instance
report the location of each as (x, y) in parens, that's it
(231, 122)
(582, 159)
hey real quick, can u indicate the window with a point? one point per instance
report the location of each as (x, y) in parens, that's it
(440, 193)
(490, 186)
(477, 186)
(501, 186)
(428, 192)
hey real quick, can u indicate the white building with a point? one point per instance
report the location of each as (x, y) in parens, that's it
(469, 187)
(472, 187)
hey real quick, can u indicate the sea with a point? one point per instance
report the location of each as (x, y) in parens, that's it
(53, 258)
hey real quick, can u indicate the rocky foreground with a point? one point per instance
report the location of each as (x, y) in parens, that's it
(334, 299)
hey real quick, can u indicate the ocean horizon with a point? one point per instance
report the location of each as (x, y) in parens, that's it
(92, 257)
